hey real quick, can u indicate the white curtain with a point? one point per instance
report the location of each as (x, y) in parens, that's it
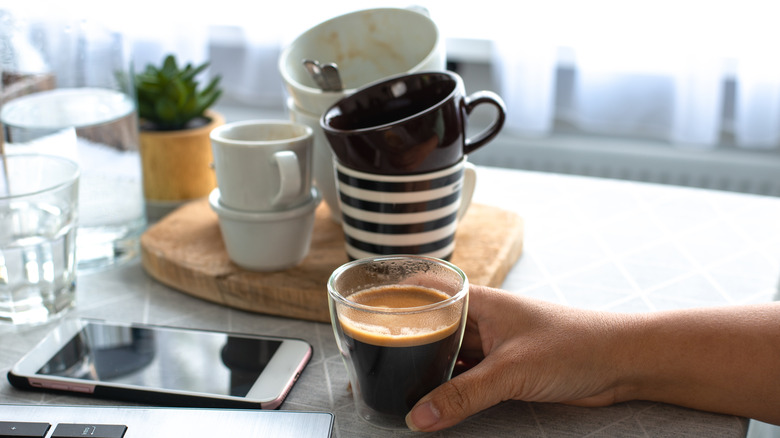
(659, 68)
(149, 37)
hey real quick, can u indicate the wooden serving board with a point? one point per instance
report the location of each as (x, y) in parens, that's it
(185, 251)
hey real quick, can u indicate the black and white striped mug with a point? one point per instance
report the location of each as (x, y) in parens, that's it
(403, 214)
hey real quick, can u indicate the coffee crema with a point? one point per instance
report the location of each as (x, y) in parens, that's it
(401, 329)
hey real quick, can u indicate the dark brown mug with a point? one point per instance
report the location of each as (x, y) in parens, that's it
(408, 124)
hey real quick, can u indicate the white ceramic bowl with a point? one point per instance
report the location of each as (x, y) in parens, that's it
(266, 241)
(367, 45)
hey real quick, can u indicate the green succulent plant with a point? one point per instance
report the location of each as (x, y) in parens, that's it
(168, 97)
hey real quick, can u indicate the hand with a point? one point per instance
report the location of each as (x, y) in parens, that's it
(721, 359)
(526, 350)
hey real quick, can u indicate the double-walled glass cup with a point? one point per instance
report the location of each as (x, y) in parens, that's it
(399, 322)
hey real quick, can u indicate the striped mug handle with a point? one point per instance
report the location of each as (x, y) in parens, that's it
(467, 191)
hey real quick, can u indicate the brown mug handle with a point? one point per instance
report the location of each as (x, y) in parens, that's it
(469, 103)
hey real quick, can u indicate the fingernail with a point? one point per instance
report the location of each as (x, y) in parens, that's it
(422, 417)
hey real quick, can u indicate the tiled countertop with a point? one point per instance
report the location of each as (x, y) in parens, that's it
(591, 243)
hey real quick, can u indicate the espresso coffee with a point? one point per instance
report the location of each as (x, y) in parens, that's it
(398, 358)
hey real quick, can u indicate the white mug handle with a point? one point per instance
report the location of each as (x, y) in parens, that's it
(290, 180)
(467, 190)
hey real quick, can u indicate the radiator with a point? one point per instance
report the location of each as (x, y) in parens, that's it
(729, 169)
(723, 168)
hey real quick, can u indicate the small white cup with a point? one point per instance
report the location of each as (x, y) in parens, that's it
(263, 165)
(269, 241)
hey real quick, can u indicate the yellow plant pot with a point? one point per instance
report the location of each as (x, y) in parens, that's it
(177, 165)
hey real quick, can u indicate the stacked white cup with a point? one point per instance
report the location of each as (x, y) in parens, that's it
(264, 197)
(367, 46)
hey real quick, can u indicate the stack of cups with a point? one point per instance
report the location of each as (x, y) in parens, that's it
(367, 46)
(402, 173)
(264, 196)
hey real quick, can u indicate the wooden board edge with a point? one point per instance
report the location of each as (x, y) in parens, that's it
(192, 285)
(202, 287)
(513, 253)
(223, 289)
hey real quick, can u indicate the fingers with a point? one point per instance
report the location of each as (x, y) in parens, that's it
(482, 384)
(457, 399)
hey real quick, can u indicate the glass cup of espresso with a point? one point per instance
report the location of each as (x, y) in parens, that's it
(398, 322)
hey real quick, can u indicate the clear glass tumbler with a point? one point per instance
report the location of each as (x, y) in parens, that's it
(399, 322)
(87, 114)
(38, 220)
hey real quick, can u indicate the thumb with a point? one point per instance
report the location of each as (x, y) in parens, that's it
(457, 399)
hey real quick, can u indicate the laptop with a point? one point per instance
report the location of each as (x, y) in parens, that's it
(61, 421)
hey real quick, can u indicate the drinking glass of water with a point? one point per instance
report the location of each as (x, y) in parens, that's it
(38, 219)
(89, 116)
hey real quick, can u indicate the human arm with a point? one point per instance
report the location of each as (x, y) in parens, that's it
(723, 359)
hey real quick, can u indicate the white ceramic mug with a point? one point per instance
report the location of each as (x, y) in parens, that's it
(404, 214)
(263, 165)
(367, 46)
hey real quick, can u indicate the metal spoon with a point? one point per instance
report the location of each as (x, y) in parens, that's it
(331, 73)
(315, 70)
